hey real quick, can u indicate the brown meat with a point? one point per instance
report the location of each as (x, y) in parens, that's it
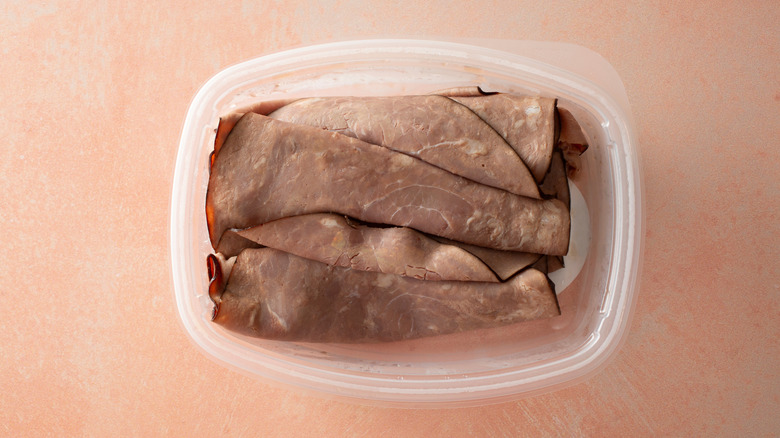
(555, 183)
(275, 295)
(572, 141)
(228, 121)
(504, 263)
(554, 263)
(465, 91)
(232, 243)
(527, 123)
(542, 265)
(571, 132)
(268, 170)
(434, 129)
(333, 239)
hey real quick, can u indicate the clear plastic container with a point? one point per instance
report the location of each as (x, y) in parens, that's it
(479, 367)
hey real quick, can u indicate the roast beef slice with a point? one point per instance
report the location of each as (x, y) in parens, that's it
(464, 91)
(275, 295)
(572, 141)
(432, 128)
(229, 120)
(556, 183)
(268, 169)
(503, 263)
(335, 240)
(528, 123)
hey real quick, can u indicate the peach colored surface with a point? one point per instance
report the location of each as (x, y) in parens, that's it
(92, 100)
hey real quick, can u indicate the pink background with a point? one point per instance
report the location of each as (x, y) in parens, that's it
(92, 100)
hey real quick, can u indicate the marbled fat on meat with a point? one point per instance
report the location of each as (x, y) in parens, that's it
(435, 129)
(526, 122)
(268, 170)
(335, 240)
(275, 295)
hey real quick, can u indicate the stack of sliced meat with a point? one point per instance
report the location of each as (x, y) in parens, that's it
(368, 219)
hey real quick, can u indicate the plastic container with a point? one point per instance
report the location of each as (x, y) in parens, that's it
(466, 369)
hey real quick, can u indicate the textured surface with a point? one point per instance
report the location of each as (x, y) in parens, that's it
(338, 241)
(93, 99)
(435, 129)
(275, 295)
(268, 169)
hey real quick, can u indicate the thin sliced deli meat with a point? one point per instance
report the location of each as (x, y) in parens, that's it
(572, 141)
(335, 240)
(232, 243)
(542, 265)
(555, 183)
(554, 263)
(465, 91)
(275, 295)
(528, 123)
(229, 120)
(503, 263)
(432, 128)
(268, 169)
(571, 131)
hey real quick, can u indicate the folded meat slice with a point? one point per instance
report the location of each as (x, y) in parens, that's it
(542, 265)
(554, 263)
(335, 240)
(464, 91)
(571, 131)
(229, 120)
(527, 123)
(572, 141)
(275, 295)
(555, 183)
(269, 170)
(503, 263)
(432, 128)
